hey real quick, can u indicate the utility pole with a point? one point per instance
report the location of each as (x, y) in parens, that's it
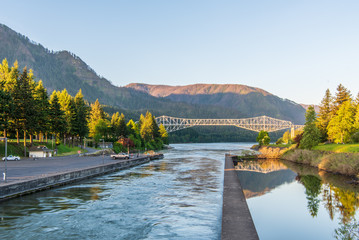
(103, 151)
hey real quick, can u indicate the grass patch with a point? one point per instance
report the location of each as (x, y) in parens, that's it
(288, 145)
(338, 148)
(343, 163)
(14, 149)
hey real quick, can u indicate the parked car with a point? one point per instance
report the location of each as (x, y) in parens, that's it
(11, 158)
(120, 156)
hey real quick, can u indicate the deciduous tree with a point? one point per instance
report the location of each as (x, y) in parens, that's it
(341, 126)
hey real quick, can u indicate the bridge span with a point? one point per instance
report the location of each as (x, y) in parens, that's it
(255, 124)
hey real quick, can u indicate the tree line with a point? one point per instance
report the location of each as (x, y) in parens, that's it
(337, 120)
(26, 109)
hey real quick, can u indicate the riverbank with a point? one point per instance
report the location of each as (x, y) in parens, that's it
(346, 163)
(27, 176)
(343, 163)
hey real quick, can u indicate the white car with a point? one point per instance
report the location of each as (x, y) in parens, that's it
(11, 158)
(120, 156)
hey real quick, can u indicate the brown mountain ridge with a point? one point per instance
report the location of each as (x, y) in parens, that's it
(194, 89)
(249, 101)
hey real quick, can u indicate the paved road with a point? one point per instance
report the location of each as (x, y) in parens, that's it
(27, 169)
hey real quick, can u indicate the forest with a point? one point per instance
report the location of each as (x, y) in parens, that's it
(27, 111)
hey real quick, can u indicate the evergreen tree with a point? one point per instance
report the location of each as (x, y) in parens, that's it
(163, 134)
(96, 114)
(68, 107)
(147, 129)
(24, 102)
(118, 125)
(71, 120)
(42, 108)
(356, 118)
(156, 132)
(11, 81)
(132, 128)
(102, 129)
(341, 96)
(6, 100)
(57, 119)
(324, 115)
(142, 120)
(311, 134)
(6, 110)
(356, 101)
(341, 126)
(82, 113)
(5, 74)
(134, 133)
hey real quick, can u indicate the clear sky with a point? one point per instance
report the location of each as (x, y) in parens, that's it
(293, 49)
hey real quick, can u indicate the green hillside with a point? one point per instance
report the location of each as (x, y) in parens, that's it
(59, 70)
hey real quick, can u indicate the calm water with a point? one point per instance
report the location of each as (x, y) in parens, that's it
(180, 197)
(291, 201)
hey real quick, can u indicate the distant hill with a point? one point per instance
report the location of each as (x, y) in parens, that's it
(196, 89)
(62, 69)
(249, 101)
(306, 106)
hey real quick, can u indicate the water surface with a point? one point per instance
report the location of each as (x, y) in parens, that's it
(292, 201)
(178, 197)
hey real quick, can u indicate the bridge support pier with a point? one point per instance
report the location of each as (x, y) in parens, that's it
(292, 132)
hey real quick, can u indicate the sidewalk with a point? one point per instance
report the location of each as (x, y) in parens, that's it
(27, 169)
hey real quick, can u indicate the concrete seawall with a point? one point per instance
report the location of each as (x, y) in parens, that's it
(11, 190)
(237, 221)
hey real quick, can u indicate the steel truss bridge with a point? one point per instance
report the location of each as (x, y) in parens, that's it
(255, 124)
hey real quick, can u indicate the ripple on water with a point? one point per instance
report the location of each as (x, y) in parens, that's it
(178, 197)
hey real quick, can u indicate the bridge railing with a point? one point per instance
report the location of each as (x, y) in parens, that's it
(256, 124)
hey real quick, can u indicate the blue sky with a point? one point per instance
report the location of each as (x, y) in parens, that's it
(293, 49)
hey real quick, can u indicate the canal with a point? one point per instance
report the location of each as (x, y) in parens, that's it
(180, 197)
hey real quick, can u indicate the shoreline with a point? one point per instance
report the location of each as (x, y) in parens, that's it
(338, 163)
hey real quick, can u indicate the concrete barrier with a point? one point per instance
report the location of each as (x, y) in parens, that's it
(12, 190)
(237, 221)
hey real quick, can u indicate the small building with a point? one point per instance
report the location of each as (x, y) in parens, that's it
(40, 151)
(106, 144)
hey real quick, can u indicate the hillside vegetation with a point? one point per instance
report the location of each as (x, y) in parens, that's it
(64, 70)
(249, 101)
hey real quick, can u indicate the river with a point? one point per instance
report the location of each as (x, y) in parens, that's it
(180, 197)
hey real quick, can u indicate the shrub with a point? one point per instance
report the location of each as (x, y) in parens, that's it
(355, 137)
(266, 140)
(118, 147)
(279, 141)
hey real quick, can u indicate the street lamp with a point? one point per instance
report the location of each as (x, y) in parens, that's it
(103, 152)
(5, 173)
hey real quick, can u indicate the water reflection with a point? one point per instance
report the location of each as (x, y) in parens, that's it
(338, 195)
(261, 176)
(312, 186)
(322, 190)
